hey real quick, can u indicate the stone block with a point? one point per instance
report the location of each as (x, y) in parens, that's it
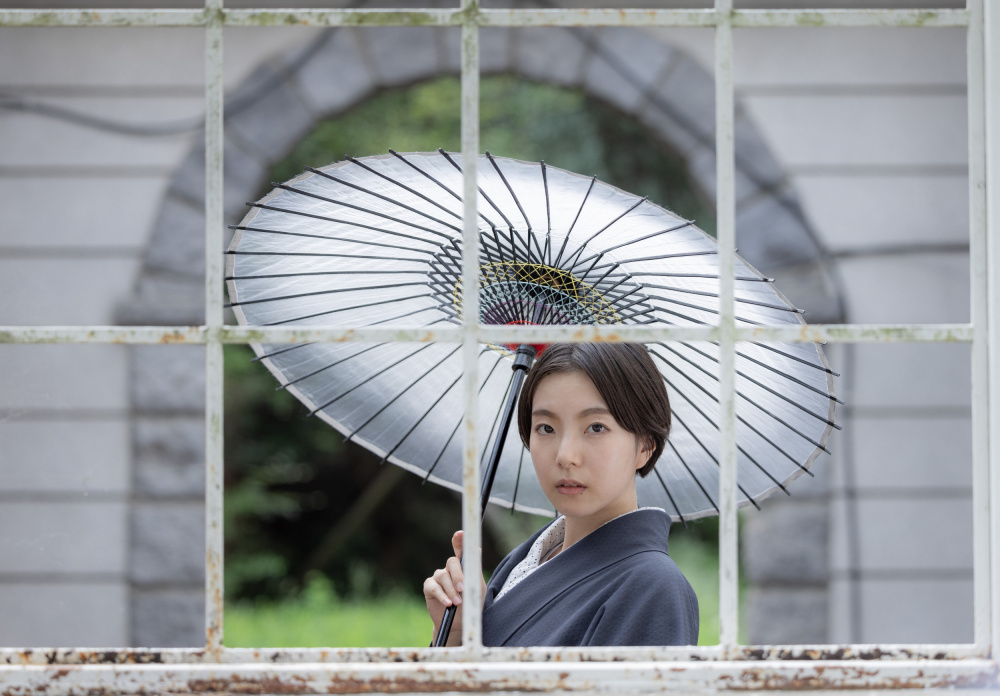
(168, 378)
(626, 64)
(57, 377)
(787, 616)
(553, 55)
(332, 76)
(34, 140)
(65, 456)
(916, 454)
(903, 129)
(921, 536)
(167, 544)
(53, 212)
(267, 115)
(172, 58)
(810, 287)
(245, 179)
(169, 456)
(770, 234)
(688, 93)
(878, 57)
(63, 537)
(916, 611)
(56, 614)
(854, 213)
(63, 291)
(402, 55)
(168, 618)
(786, 543)
(178, 242)
(907, 375)
(907, 289)
(164, 298)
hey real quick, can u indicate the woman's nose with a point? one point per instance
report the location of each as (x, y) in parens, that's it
(569, 452)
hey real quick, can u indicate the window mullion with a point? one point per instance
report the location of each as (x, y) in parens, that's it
(471, 522)
(726, 211)
(214, 456)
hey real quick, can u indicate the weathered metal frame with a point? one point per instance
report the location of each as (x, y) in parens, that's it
(473, 667)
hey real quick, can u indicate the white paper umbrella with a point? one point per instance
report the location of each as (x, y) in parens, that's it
(378, 240)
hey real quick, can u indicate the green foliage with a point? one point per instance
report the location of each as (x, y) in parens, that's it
(518, 119)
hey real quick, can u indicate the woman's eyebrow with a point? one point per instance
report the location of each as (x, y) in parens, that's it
(595, 410)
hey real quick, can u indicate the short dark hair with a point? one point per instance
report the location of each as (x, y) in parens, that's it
(625, 377)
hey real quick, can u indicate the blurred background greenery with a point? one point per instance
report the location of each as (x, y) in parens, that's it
(324, 547)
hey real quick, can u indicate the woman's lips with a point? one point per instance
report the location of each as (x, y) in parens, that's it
(570, 487)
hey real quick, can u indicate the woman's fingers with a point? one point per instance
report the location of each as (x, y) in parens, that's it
(456, 578)
(457, 539)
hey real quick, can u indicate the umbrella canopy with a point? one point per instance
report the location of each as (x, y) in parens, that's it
(378, 240)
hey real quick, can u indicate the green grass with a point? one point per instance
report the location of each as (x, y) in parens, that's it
(319, 619)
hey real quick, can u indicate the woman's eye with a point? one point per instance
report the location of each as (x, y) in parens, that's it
(598, 428)
(544, 429)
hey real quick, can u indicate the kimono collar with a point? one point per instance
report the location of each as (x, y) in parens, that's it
(643, 530)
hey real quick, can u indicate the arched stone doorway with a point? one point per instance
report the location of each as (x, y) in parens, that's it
(643, 77)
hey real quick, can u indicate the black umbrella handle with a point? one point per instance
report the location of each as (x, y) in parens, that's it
(523, 358)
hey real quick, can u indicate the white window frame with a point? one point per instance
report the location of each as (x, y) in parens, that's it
(472, 667)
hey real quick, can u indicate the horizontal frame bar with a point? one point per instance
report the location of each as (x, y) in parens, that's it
(833, 333)
(746, 653)
(486, 18)
(452, 677)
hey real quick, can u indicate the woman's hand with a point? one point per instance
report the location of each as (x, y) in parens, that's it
(444, 589)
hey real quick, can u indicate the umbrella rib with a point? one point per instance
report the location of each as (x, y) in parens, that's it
(667, 491)
(370, 378)
(361, 209)
(702, 444)
(479, 188)
(351, 223)
(738, 416)
(403, 186)
(788, 376)
(716, 426)
(692, 474)
(496, 422)
(327, 367)
(744, 396)
(321, 273)
(688, 223)
(323, 292)
(333, 239)
(707, 310)
(517, 202)
(345, 309)
(442, 185)
(546, 259)
(661, 257)
(459, 423)
(661, 274)
(603, 229)
(421, 419)
(400, 394)
(570, 230)
(686, 291)
(795, 357)
(317, 255)
(387, 199)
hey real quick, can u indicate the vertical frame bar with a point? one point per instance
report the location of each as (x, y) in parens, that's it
(473, 603)
(214, 455)
(725, 164)
(980, 321)
(991, 109)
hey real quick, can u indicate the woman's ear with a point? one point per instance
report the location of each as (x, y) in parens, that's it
(645, 448)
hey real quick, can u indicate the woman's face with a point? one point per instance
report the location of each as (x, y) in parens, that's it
(584, 460)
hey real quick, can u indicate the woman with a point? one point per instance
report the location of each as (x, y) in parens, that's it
(593, 416)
